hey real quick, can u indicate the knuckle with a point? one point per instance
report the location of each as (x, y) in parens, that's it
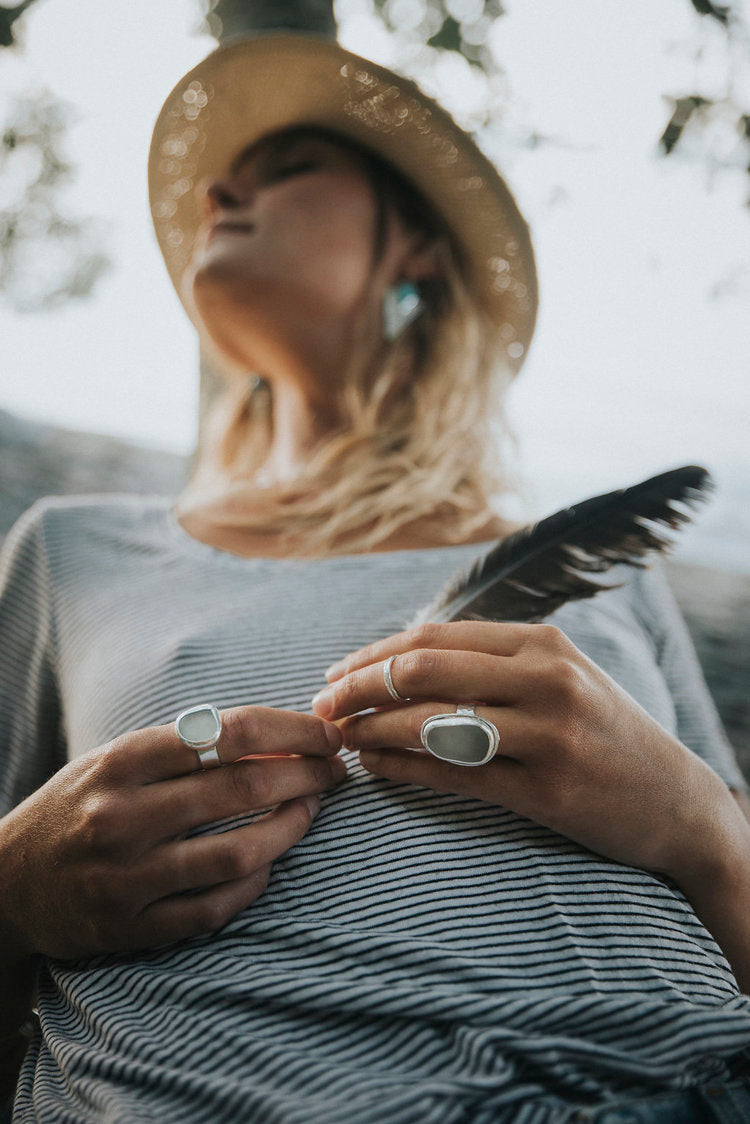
(299, 820)
(420, 667)
(551, 637)
(234, 862)
(428, 635)
(99, 822)
(250, 785)
(243, 726)
(105, 762)
(568, 682)
(213, 913)
(346, 691)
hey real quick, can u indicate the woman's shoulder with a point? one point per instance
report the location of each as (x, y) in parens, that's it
(122, 506)
(60, 522)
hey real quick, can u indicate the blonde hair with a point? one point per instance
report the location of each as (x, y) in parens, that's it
(423, 423)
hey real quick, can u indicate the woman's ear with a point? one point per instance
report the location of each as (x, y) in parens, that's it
(421, 262)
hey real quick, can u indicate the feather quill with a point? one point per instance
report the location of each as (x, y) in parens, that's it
(535, 570)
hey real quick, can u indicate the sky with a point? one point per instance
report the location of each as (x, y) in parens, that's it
(641, 356)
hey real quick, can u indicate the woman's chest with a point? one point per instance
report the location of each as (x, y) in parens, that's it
(134, 654)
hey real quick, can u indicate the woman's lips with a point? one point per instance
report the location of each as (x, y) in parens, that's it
(231, 227)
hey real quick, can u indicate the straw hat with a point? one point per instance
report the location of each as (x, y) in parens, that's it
(261, 84)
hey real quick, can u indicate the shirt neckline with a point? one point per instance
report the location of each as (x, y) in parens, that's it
(204, 550)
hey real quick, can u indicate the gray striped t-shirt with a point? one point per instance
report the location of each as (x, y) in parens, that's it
(417, 956)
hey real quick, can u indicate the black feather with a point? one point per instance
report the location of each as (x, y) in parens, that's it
(537, 569)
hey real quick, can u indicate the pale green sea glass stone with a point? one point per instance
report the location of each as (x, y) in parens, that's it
(462, 738)
(199, 727)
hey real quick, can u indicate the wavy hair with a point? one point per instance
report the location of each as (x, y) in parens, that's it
(423, 417)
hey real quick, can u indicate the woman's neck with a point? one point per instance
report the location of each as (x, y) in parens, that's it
(427, 533)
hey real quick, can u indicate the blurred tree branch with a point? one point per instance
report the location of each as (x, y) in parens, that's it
(684, 109)
(46, 257)
(713, 130)
(8, 17)
(706, 8)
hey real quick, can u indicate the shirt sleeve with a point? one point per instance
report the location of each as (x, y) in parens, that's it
(31, 744)
(698, 724)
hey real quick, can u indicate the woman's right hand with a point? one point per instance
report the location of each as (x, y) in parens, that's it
(96, 861)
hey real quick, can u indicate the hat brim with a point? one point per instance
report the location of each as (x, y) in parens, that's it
(262, 84)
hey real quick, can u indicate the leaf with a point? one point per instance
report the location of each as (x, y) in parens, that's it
(684, 108)
(706, 8)
(8, 17)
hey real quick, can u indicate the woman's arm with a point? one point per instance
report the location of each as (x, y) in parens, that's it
(720, 895)
(698, 724)
(31, 747)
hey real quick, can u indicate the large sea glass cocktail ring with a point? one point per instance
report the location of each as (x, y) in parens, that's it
(199, 727)
(462, 738)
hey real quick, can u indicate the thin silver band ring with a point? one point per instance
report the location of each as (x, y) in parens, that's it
(389, 682)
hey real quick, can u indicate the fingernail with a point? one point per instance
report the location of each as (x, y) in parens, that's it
(313, 805)
(333, 734)
(322, 703)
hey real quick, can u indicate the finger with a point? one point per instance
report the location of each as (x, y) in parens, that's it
(245, 853)
(178, 805)
(520, 735)
(209, 860)
(496, 638)
(501, 781)
(156, 753)
(427, 673)
(176, 919)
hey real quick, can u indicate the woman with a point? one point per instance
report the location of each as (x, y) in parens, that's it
(558, 934)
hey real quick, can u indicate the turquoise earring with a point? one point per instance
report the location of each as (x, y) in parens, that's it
(401, 305)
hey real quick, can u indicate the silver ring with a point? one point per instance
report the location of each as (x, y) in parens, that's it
(199, 728)
(462, 738)
(389, 682)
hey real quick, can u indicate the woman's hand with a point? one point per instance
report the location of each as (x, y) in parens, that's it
(96, 861)
(576, 753)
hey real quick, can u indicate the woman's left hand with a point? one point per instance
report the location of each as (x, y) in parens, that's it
(576, 753)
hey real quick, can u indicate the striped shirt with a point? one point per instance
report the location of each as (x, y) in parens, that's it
(417, 956)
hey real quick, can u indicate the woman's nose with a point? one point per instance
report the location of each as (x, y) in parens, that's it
(218, 196)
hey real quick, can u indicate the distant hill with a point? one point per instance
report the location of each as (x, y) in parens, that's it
(711, 578)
